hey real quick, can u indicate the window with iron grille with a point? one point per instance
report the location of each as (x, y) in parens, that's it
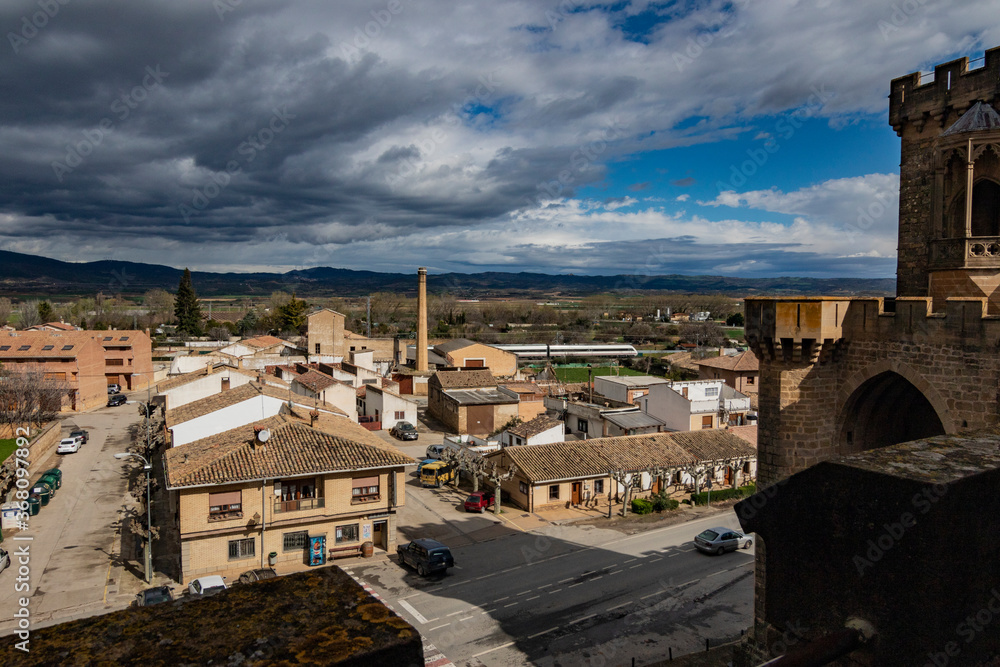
(400, 415)
(295, 541)
(245, 548)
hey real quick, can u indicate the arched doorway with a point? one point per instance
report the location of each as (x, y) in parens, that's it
(886, 410)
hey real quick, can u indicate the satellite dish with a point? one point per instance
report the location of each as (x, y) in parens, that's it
(264, 435)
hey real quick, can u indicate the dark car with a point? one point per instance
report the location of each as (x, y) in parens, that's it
(479, 501)
(260, 574)
(404, 431)
(426, 556)
(152, 596)
(116, 399)
(82, 434)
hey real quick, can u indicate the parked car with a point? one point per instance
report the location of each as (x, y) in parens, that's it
(434, 451)
(720, 540)
(404, 431)
(4, 560)
(151, 596)
(420, 466)
(68, 446)
(114, 388)
(80, 433)
(116, 399)
(425, 556)
(479, 501)
(210, 585)
(260, 574)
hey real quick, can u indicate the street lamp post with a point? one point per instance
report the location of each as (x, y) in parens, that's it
(148, 467)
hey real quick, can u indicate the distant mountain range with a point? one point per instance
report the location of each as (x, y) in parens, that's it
(22, 274)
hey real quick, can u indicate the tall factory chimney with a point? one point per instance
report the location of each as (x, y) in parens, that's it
(422, 319)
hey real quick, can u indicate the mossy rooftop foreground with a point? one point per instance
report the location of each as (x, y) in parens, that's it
(940, 459)
(321, 617)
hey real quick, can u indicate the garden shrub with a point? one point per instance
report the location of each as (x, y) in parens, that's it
(724, 494)
(641, 506)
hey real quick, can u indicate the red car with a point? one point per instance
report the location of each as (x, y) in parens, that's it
(479, 501)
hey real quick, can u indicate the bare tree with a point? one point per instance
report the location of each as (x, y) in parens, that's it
(622, 478)
(29, 395)
(28, 313)
(498, 476)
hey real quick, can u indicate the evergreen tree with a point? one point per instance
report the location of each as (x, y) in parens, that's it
(186, 308)
(292, 315)
(45, 312)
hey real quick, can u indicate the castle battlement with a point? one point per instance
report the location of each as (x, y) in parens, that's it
(814, 329)
(954, 89)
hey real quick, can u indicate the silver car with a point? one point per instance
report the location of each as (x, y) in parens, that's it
(720, 540)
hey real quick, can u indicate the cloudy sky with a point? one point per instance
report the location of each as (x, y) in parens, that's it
(739, 138)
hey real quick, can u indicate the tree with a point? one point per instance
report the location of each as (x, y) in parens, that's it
(5, 310)
(735, 320)
(622, 478)
(158, 303)
(28, 396)
(292, 316)
(28, 314)
(186, 308)
(45, 312)
(249, 324)
(498, 476)
(707, 334)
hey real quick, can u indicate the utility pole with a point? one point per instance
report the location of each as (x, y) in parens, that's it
(369, 317)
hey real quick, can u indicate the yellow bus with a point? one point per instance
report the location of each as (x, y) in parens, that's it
(438, 473)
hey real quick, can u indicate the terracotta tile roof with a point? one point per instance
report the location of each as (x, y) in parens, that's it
(595, 457)
(53, 326)
(117, 337)
(230, 397)
(464, 379)
(263, 341)
(748, 433)
(681, 360)
(361, 391)
(314, 380)
(33, 344)
(539, 424)
(745, 362)
(183, 379)
(293, 449)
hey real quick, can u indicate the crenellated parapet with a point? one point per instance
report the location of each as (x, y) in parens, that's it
(818, 329)
(953, 90)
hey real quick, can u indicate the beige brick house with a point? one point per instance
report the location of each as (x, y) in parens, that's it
(739, 371)
(73, 358)
(469, 402)
(240, 495)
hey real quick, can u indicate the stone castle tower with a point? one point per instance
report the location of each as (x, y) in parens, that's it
(841, 375)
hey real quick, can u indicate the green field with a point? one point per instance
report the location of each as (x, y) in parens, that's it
(7, 447)
(578, 374)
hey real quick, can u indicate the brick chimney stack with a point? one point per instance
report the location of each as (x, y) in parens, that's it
(422, 319)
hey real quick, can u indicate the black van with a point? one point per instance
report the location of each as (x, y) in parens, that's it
(426, 556)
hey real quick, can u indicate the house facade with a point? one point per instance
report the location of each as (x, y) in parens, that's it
(530, 397)
(241, 496)
(469, 402)
(577, 473)
(191, 387)
(386, 406)
(696, 404)
(128, 358)
(541, 430)
(73, 358)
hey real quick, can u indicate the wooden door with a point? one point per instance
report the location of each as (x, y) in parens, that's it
(576, 492)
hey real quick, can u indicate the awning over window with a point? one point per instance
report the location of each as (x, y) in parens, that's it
(365, 482)
(225, 498)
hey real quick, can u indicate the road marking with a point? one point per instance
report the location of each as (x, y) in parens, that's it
(485, 576)
(693, 581)
(615, 572)
(454, 613)
(656, 559)
(502, 599)
(512, 604)
(623, 604)
(632, 567)
(495, 648)
(596, 578)
(555, 591)
(543, 633)
(582, 619)
(467, 618)
(438, 627)
(522, 593)
(534, 598)
(409, 596)
(545, 586)
(572, 585)
(413, 612)
(563, 581)
(715, 573)
(631, 559)
(672, 555)
(652, 594)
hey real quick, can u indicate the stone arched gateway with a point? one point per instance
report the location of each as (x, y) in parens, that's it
(886, 409)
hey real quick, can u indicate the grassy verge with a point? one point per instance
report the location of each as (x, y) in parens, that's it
(577, 374)
(7, 447)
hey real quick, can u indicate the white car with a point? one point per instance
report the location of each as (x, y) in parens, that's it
(207, 585)
(68, 446)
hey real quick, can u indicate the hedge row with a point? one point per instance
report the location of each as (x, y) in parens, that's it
(724, 494)
(657, 502)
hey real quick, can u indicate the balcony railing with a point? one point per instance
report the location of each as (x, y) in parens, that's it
(966, 252)
(297, 505)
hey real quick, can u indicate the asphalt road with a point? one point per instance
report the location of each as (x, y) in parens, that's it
(565, 595)
(70, 549)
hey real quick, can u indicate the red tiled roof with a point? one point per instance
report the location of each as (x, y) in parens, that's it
(263, 341)
(539, 424)
(744, 362)
(293, 449)
(464, 379)
(314, 380)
